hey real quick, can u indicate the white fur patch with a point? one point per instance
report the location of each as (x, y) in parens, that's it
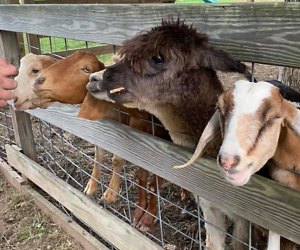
(249, 95)
(247, 98)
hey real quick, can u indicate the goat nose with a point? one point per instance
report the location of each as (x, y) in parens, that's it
(228, 162)
(15, 99)
(40, 80)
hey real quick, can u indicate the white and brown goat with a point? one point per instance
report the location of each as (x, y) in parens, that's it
(259, 128)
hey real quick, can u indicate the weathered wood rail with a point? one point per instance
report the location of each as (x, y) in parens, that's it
(262, 201)
(258, 32)
(264, 33)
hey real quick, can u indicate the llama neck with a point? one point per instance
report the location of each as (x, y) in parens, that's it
(178, 128)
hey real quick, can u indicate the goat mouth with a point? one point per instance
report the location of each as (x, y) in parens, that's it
(18, 105)
(238, 178)
(37, 90)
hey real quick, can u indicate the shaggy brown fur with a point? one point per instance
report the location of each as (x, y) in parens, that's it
(170, 71)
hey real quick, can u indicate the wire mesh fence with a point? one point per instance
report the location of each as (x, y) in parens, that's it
(179, 224)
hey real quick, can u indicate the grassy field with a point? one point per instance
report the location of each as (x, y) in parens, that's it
(54, 44)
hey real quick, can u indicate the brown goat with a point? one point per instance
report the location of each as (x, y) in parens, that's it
(31, 66)
(170, 72)
(66, 82)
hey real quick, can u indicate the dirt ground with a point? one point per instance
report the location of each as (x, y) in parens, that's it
(23, 226)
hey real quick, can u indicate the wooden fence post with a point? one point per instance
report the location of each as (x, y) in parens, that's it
(9, 50)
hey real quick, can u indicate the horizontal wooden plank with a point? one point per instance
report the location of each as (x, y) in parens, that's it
(113, 229)
(86, 240)
(11, 176)
(69, 226)
(262, 201)
(259, 32)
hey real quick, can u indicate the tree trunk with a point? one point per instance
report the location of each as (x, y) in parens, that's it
(290, 76)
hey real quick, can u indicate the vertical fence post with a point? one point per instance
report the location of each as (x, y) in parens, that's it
(9, 50)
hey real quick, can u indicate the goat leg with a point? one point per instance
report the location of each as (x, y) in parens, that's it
(148, 218)
(215, 225)
(92, 185)
(110, 195)
(142, 196)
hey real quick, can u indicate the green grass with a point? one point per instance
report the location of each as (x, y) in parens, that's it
(55, 44)
(61, 44)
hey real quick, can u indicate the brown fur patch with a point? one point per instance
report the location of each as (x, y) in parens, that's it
(170, 39)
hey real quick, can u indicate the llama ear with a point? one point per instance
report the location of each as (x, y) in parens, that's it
(220, 60)
(292, 117)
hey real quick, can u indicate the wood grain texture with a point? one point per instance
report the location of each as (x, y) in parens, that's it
(111, 228)
(86, 240)
(11, 176)
(23, 132)
(259, 32)
(262, 201)
(9, 49)
(71, 227)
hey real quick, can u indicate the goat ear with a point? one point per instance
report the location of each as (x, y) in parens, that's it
(92, 108)
(220, 60)
(292, 116)
(211, 133)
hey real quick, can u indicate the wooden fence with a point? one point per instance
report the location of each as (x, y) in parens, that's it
(263, 33)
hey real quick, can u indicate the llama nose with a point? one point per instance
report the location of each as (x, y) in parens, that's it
(40, 80)
(95, 78)
(228, 162)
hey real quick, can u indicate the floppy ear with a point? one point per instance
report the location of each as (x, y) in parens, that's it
(292, 116)
(92, 108)
(220, 60)
(211, 133)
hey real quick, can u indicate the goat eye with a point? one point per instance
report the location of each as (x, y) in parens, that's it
(158, 59)
(35, 71)
(86, 69)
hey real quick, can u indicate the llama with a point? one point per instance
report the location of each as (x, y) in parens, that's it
(170, 72)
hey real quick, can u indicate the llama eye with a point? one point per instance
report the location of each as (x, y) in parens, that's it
(86, 69)
(35, 71)
(158, 59)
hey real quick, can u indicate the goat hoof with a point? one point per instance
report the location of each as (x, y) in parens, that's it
(91, 188)
(109, 197)
(137, 215)
(146, 222)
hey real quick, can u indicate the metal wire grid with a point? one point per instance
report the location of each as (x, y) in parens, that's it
(6, 131)
(179, 223)
(57, 152)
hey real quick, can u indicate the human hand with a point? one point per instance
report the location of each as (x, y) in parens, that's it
(6, 84)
